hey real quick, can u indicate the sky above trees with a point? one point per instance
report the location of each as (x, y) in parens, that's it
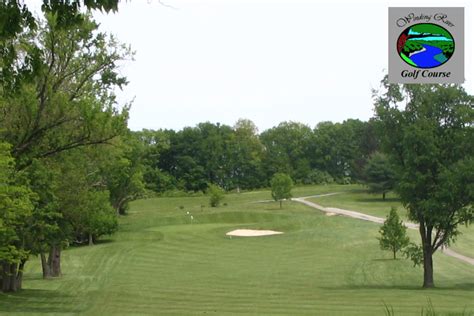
(268, 61)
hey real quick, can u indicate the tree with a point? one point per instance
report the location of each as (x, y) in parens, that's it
(216, 195)
(57, 96)
(379, 174)
(84, 198)
(287, 150)
(281, 184)
(15, 214)
(393, 234)
(246, 156)
(121, 167)
(430, 142)
(46, 226)
(342, 149)
(155, 156)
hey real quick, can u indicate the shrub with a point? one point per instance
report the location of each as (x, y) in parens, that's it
(216, 195)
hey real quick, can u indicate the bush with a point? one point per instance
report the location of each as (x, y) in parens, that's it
(318, 177)
(216, 195)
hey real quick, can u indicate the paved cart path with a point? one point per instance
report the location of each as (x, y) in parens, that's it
(374, 219)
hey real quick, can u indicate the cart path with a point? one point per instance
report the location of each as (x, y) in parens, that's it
(374, 219)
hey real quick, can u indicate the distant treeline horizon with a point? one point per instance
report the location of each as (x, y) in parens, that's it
(239, 157)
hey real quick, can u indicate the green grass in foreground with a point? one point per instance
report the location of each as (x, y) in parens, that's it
(162, 262)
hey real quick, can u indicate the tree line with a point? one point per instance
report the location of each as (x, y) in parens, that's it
(239, 158)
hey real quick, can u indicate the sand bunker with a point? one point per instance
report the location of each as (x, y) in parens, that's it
(252, 233)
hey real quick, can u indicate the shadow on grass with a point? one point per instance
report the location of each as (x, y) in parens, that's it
(38, 301)
(86, 244)
(387, 259)
(375, 199)
(456, 287)
(273, 209)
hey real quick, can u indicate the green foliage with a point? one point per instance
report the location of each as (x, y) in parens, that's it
(237, 158)
(84, 199)
(122, 171)
(393, 234)
(16, 15)
(281, 185)
(414, 252)
(216, 195)
(67, 101)
(99, 218)
(287, 149)
(318, 177)
(15, 216)
(247, 153)
(46, 217)
(380, 174)
(15, 211)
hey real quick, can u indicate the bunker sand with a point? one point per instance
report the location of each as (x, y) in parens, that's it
(252, 233)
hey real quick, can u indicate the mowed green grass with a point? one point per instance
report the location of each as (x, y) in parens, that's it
(356, 198)
(163, 263)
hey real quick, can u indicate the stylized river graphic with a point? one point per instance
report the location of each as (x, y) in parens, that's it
(428, 58)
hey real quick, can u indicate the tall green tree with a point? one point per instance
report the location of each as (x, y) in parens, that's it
(246, 156)
(380, 174)
(122, 169)
(287, 150)
(84, 198)
(56, 99)
(393, 234)
(342, 149)
(281, 185)
(47, 229)
(430, 141)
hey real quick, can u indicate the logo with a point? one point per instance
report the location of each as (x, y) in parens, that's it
(425, 45)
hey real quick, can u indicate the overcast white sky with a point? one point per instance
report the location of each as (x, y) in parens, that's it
(268, 61)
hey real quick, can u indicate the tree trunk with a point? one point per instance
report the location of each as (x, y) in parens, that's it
(383, 196)
(54, 261)
(19, 275)
(428, 281)
(425, 232)
(280, 204)
(12, 276)
(120, 210)
(394, 254)
(91, 240)
(13, 281)
(45, 266)
(6, 278)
